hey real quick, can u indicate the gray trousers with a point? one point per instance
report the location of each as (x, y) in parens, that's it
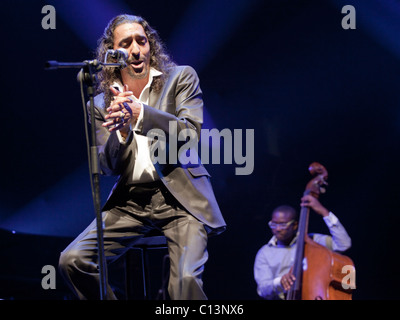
(140, 210)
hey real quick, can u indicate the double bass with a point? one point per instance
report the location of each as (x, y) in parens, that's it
(317, 269)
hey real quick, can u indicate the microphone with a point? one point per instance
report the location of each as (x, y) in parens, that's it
(121, 55)
(118, 54)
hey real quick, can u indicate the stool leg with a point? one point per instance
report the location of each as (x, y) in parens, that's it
(162, 292)
(128, 275)
(131, 261)
(146, 279)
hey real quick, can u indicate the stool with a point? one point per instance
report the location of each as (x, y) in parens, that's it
(144, 244)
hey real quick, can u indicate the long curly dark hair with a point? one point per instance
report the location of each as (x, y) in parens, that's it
(159, 58)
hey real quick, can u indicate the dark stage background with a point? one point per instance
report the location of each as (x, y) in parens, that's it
(311, 90)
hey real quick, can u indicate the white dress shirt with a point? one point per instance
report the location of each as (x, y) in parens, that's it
(144, 170)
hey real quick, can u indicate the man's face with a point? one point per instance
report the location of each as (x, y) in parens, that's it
(283, 233)
(131, 36)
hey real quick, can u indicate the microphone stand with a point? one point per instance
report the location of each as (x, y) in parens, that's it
(87, 75)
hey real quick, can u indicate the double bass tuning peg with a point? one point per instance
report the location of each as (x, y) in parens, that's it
(323, 186)
(319, 183)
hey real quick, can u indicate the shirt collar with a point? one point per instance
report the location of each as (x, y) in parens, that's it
(273, 242)
(153, 73)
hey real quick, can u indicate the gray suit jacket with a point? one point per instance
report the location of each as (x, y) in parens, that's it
(180, 100)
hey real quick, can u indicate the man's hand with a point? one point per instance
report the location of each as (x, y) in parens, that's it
(122, 112)
(288, 279)
(313, 203)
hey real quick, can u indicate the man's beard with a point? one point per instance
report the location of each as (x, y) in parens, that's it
(138, 73)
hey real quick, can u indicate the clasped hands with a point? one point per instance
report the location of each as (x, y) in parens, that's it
(122, 112)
